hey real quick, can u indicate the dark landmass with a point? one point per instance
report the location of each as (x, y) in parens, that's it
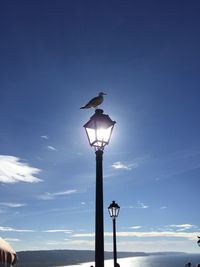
(53, 258)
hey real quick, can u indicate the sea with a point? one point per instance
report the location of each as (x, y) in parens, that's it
(179, 260)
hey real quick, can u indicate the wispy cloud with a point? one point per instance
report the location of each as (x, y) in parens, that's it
(152, 245)
(12, 205)
(44, 137)
(49, 196)
(139, 205)
(66, 231)
(56, 243)
(163, 207)
(118, 165)
(182, 227)
(10, 229)
(51, 148)
(12, 170)
(190, 236)
(135, 227)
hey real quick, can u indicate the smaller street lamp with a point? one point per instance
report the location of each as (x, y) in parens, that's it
(113, 210)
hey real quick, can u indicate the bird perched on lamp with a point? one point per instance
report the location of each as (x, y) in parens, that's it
(94, 102)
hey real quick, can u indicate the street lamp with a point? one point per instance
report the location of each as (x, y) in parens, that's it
(198, 241)
(99, 129)
(113, 210)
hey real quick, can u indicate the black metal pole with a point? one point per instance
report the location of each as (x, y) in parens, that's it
(114, 243)
(99, 225)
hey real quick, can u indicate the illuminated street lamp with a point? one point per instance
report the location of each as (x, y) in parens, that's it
(99, 129)
(113, 210)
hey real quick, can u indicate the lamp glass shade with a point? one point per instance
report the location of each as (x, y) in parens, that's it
(113, 209)
(99, 129)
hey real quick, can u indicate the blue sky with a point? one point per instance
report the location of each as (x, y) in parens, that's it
(55, 56)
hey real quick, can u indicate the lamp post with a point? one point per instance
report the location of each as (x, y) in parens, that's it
(99, 129)
(113, 210)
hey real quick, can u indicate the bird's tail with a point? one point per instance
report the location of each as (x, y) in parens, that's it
(85, 107)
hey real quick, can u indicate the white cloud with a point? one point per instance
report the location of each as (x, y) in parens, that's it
(186, 225)
(152, 246)
(135, 227)
(66, 231)
(139, 205)
(182, 227)
(44, 137)
(10, 229)
(163, 207)
(51, 148)
(55, 243)
(12, 170)
(146, 245)
(12, 205)
(49, 196)
(190, 236)
(119, 165)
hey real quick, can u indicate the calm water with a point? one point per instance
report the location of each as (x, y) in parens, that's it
(151, 261)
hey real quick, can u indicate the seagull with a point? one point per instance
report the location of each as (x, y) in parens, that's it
(94, 102)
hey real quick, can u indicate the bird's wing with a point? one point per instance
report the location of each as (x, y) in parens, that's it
(93, 102)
